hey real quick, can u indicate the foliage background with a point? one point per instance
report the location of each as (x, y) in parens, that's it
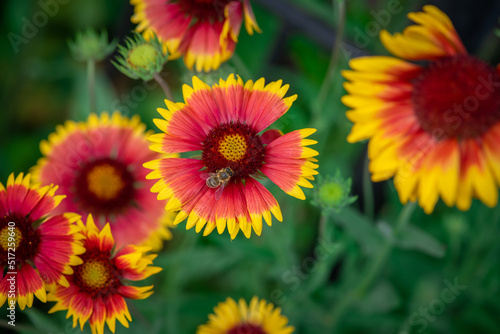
(372, 279)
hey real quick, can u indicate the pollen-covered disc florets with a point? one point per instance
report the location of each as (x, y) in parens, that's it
(233, 145)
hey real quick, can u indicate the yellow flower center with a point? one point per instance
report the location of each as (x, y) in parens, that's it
(105, 182)
(142, 56)
(95, 274)
(233, 147)
(10, 232)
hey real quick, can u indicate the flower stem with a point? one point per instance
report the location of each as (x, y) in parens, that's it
(321, 118)
(91, 85)
(332, 66)
(368, 200)
(164, 86)
(372, 271)
(242, 68)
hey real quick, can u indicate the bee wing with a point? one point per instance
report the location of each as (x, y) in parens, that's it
(218, 192)
(205, 176)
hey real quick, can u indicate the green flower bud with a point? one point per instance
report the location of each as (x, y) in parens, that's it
(89, 45)
(141, 58)
(332, 193)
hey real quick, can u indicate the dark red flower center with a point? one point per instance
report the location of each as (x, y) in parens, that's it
(246, 329)
(97, 274)
(104, 187)
(457, 97)
(204, 10)
(19, 241)
(233, 145)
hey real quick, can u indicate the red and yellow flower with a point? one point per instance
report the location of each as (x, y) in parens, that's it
(225, 122)
(205, 32)
(258, 317)
(97, 290)
(98, 166)
(434, 126)
(37, 246)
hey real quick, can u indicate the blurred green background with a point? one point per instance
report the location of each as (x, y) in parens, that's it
(368, 279)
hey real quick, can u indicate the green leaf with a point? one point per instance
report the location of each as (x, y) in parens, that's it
(43, 321)
(413, 238)
(382, 299)
(361, 229)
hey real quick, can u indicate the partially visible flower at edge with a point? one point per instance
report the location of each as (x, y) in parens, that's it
(97, 289)
(435, 127)
(258, 317)
(45, 245)
(204, 32)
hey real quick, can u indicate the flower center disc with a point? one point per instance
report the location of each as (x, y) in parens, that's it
(6, 233)
(104, 186)
(457, 97)
(95, 274)
(233, 145)
(246, 329)
(26, 239)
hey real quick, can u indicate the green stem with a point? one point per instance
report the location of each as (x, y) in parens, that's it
(373, 270)
(91, 84)
(332, 66)
(241, 67)
(368, 200)
(164, 86)
(323, 220)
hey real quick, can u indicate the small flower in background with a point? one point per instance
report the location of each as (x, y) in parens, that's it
(434, 127)
(205, 32)
(333, 193)
(140, 58)
(98, 287)
(224, 122)
(258, 317)
(37, 245)
(89, 45)
(98, 165)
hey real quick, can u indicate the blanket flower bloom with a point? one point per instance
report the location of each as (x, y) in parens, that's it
(204, 31)
(434, 126)
(98, 166)
(224, 122)
(45, 244)
(258, 317)
(97, 289)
